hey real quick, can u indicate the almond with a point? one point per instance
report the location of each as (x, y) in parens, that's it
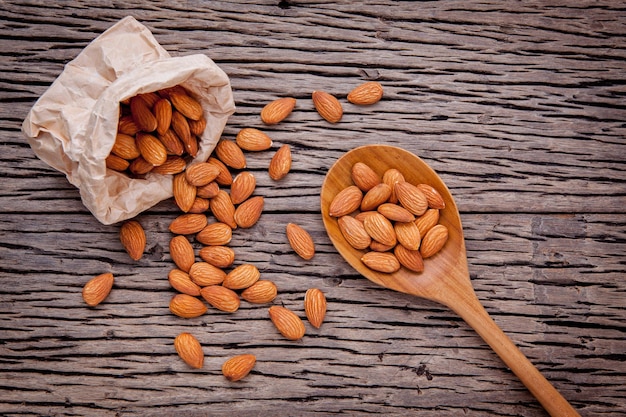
(380, 229)
(380, 247)
(395, 212)
(315, 306)
(163, 114)
(434, 240)
(300, 241)
(249, 212)
(201, 173)
(97, 289)
(435, 200)
(362, 215)
(242, 187)
(242, 277)
(180, 126)
(221, 298)
(116, 163)
(251, 139)
(277, 110)
(391, 177)
(411, 198)
(125, 147)
(186, 105)
(150, 98)
(230, 154)
(364, 177)
(181, 282)
(426, 221)
(208, 191)
(354, 232)
(182, 253)
(151, 149)
(408, 235)
(376, 196)
(280, 163)
(224, 177)
(381, 261)
(189, 350)
(327, 106)
(197, 127)
(172, 142)
(187, 224)
(172, 165)
(140, 166)
(215, 234)
(127, 126)
(186, 306)
(184, 193)
(238, 367)
(219, 256)
(142, 115)
(287, 322)
(200, 205)
(223, 209)
(367, 93)
(260, 292)
(205, 274)
(410, 259)
(346, 201)
(133, 238)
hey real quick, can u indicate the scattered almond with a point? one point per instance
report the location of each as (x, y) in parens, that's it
(133, 238)
(230, 154)
(223, 209)
(238, 367)
(300, 241)
(242, 187)
(249, 212)
(181, 282)
(184, 192)
(215, 234)
(182, 252)
(260, 292)
(315, 306)
(280, 163)
(241, 277)
(367, 93)
(97, 289)
(187, 224)
(327, 106)
(221, 298)
(186, 306)
(287, 322)
(204, 274)
(189, 350)
(251, 139)
(201, 173)
(219, 256)
(277, 110)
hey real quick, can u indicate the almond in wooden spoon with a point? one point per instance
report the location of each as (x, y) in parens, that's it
(445, 278)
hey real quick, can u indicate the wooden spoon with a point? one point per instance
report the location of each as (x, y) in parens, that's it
(445, 278)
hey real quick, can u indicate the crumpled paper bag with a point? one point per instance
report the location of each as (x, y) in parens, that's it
(72, 127)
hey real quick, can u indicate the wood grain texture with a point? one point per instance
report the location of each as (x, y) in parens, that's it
(518, 106)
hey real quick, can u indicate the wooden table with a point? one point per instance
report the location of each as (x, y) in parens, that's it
(519, 106)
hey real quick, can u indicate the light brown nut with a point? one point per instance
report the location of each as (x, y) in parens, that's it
(133, 238)
(116, 163)
(238, 367)
(248, 213)
(197, 127)
(223, 209)
(364, 177)
(172, 142)
(224, 177)
(200, 205)
(346, 201)
(380, 229)
(426, 221)
(385, 262)
(189, 350)
(410, 259)
(186, 306)
(127, 126)
(242, 187)
(208, 191)
(142, 115)
(411, 198)
(367, 93)
(277, 110)
(150, 98)
(435, 200)
(173, 165)
(219, 256)
(230, 154)
(327, 106)
(287, 322)
(300, 241)
(315, 306)
(201, 173)
(280, 163)
(163, 114)
(215, 234)
(261, 292)
(184, 193)
(182, 253)
(151, 148)
(205, 274)
(140, 166)
(391, 177)
(434, 240)
(376, 196)
(222, 298)
(187, 224)
(395, 212)
(186, 104)
(241, 277)
(251, 139)
(181, 282)
(354, 232)
(362, 215)
(180, 126)
(97, 289)
(125, 147)
(408, 235)
(380, 247)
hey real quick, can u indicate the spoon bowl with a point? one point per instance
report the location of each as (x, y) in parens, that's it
(445, 278)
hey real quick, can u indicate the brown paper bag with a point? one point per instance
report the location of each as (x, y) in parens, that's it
(72, 127)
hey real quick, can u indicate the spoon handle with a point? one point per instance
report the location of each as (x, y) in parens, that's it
(474, 314)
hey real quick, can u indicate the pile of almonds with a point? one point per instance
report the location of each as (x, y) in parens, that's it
(395, 221)
(158, 133)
